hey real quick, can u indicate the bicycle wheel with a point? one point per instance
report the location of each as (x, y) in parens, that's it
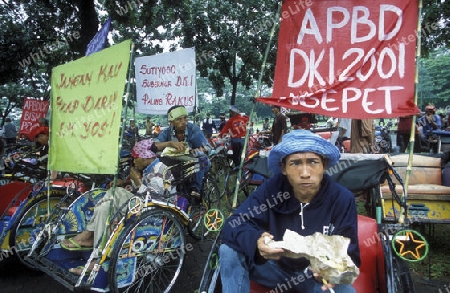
(148, 253)
(398, 275)
(30, 220)
(210, 191)
(231, 186)
(210, 280)
(220, 166)
(403, 282)
(196, 211)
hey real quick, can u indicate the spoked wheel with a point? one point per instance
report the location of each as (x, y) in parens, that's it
(220, 167)
(231, 186)
(210, 191)
(31, 219)
(398, 275)
(210, 280)
(148, 254)
(196, 211)
(402, 282)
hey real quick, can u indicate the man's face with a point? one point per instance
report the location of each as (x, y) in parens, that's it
(304, 172)
(180, 123)
(275, 110)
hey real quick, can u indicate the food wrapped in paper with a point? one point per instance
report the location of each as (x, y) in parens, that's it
(327, 254)
(173, 152)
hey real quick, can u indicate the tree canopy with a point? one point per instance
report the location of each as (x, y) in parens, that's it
(230, 37)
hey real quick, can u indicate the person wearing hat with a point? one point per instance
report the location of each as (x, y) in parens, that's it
(429, 122)
(179, 133)
(299, 197)
(236, 127)
(146, 176)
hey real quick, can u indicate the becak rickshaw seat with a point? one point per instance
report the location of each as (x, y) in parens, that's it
(371, 272)
(420, 191)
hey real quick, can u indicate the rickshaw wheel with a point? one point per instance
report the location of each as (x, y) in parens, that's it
(403, 282)
(25, 230)
(196, 211)
(148, 253)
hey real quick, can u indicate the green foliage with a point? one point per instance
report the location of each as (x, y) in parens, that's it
(435, 23)
(434, 79)
(230, 38)
(235, 35)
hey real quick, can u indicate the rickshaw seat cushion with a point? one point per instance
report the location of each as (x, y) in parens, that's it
(420, 191)
(422, 175)
(371, 272)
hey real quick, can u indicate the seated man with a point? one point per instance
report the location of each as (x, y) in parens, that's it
(430, 122)
(179, 132)
(146, 176)
(299, 197)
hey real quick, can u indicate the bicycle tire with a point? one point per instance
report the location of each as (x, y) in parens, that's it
(231, 185)
(31, 217)
(210, 281)
(398, 275)
(144, 251)
(403, 282)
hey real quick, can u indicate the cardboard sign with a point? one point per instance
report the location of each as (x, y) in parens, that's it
(166, 80)
(32, 111)
(86, 111)
(348, 58)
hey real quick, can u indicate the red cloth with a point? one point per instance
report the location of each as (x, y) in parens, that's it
(327, 63)
(236, 126)
(404, 125)
(36, 131)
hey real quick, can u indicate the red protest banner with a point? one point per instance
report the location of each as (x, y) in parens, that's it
(348, 58)
(31, 112)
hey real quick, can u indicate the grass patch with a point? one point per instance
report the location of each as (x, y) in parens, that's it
(436, 265)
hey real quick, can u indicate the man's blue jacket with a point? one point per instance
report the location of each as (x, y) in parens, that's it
(273, 208)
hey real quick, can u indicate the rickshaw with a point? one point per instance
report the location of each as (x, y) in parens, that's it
(146, 247)
(24, 206)
(386, 246)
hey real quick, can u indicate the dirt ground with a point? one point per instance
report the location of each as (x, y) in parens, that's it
(14, 278)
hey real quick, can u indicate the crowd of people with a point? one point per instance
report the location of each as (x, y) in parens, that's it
(310, 201)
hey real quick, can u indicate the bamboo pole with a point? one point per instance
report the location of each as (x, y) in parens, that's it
(113, 188)
(404, 197)
(257, 94)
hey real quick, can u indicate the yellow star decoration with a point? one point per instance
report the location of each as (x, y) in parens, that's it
(410, 238)
(214, 220)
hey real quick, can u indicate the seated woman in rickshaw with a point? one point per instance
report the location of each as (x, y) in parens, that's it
(147, 176)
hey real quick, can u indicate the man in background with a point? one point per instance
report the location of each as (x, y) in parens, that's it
(362, 136)
(236, 127)
(208, 126)
(9, 132)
